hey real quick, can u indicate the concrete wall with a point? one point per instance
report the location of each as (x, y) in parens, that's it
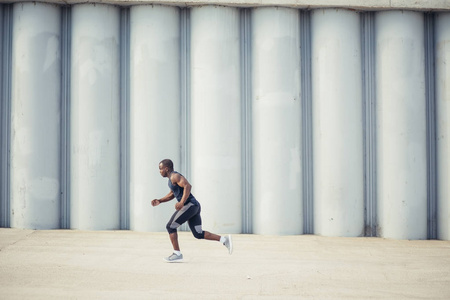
(220, 90)
(216, 116)
(337, 123)
(154, 109)
(306, 4)
(442, 121)
(276, 113)
(35, 116)
(94, 115)
(401, 125)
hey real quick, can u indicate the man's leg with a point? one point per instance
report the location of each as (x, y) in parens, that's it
(178, 218)
(211, 236)
(172, 230)
(195, 223)
(201, 234)
(176, 256)
(171, 227)
(174, 239)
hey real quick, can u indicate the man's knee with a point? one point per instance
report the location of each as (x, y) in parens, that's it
(172, 227)
(199, 236)
(198, 232)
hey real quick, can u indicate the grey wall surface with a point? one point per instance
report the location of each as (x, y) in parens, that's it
(424, 5)
(285, 121)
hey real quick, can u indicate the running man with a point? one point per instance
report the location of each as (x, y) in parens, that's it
(187, 209)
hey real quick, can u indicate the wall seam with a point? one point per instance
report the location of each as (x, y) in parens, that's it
(246, 120)
(185, 88)
(369, 125)
(5, 107)
(125, 118)
(307, 151)
(431, 126)
(65, 116)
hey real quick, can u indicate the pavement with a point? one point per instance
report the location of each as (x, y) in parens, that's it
(71, 264)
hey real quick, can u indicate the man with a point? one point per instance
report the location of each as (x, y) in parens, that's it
(187, 209)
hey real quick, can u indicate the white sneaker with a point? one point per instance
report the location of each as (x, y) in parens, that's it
(174, 258)
(229, 243)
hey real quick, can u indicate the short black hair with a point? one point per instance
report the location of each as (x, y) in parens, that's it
(167, 163)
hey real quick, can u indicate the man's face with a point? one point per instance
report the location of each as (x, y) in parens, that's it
(164, 171)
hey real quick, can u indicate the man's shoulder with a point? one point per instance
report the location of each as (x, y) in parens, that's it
(175, 177)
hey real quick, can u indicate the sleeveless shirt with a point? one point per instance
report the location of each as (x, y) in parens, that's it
(178, 192)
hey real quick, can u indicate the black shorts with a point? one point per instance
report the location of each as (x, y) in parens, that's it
(191, 214)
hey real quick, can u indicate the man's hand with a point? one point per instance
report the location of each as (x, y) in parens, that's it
(179, 206)
(155, 202)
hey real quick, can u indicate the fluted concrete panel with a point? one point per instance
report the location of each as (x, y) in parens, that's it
(94, 107)
(155, 110)
(94, 96)
(35, 116)
(337, 123)
(401, 125)
(216, 116)
(276, 113)
(442, 80)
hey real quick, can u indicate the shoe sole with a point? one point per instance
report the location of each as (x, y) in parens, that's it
(173, 261)
(231, 244)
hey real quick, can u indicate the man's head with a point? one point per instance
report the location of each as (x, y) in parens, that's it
(165, 167)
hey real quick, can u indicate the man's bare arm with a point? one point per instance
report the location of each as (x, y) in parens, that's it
(182, 182)
(166, 198)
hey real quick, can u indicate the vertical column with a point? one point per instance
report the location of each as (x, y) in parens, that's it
(307, 153)
(442, 63)
(401, 125)
(216, 116)
(246, 98)
(5, 112)
(65, 116)
(431, 125)
(3, 133)
(124, 118)
(2, 35)
(277, 124)
(35, 127)
(154, 110)
(185, 91)
(337, 123)
(185, 94)
(369, 126)
(95, 121)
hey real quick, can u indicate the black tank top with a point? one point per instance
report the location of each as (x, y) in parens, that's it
(178, 192)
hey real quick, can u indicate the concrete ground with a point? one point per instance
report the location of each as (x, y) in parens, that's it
(64, 264)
